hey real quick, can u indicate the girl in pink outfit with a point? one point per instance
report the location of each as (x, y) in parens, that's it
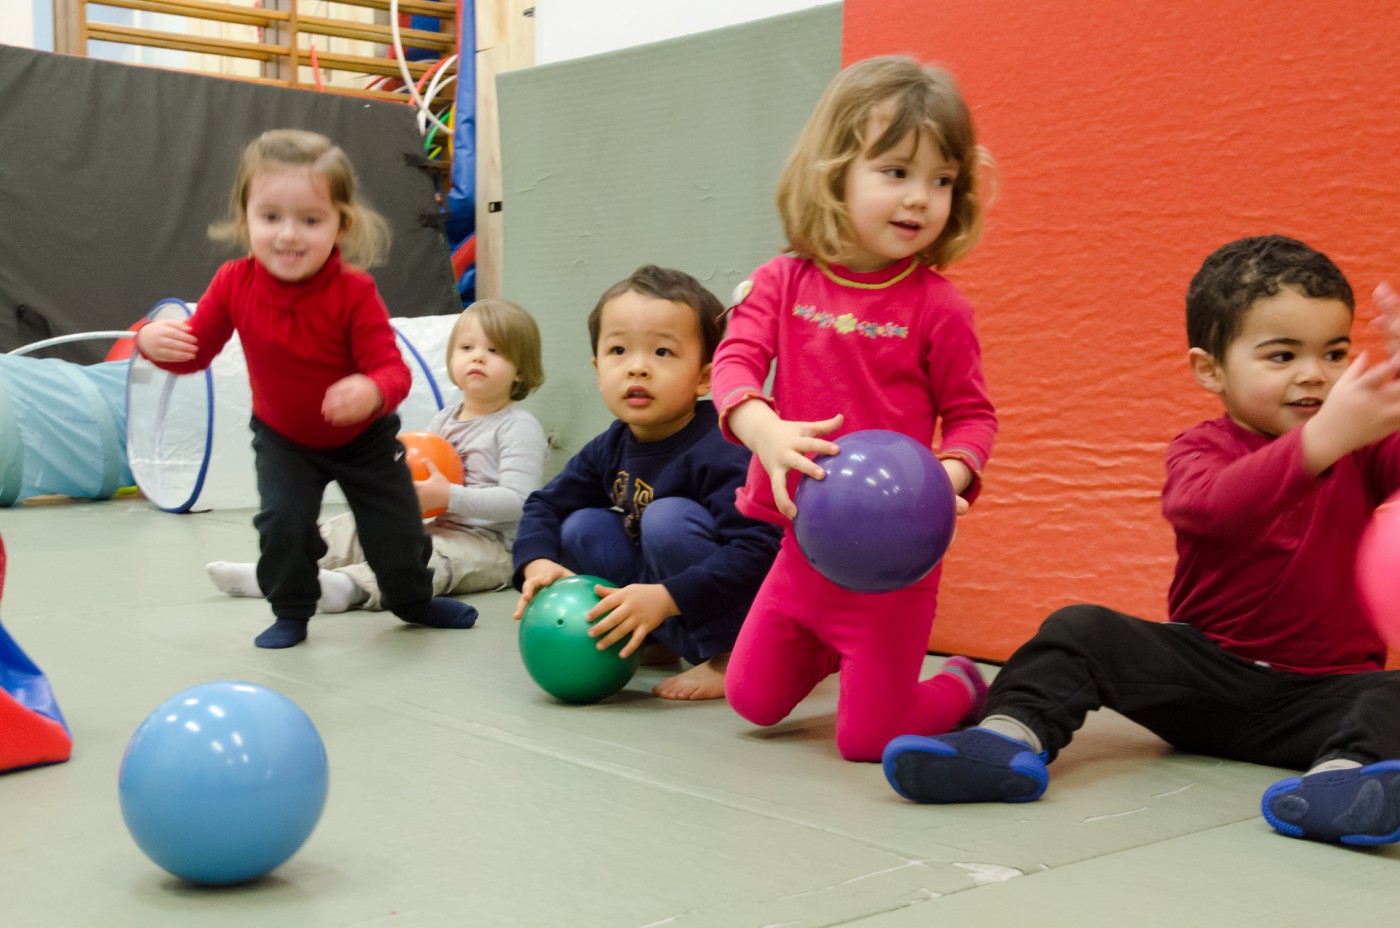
(861, 333)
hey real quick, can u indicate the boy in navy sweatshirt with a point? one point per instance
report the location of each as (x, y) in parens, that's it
(649, 504)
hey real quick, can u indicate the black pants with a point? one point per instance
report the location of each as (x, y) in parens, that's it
(373, 475)
(1176, 682)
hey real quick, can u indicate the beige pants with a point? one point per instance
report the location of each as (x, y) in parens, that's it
(464, 560)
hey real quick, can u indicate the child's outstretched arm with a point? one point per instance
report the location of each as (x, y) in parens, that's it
(1362, 407)
(782, 446)
(167, 340)
(539, 546)
(187, 345)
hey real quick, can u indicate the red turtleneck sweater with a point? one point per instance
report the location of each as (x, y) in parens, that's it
(298, 339)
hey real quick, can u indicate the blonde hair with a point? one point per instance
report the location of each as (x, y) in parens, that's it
(516, 337)
(923, 98)
(366, 239)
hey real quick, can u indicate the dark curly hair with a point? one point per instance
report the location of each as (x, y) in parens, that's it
(1236, 276)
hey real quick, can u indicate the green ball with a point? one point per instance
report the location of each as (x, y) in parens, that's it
(557, 651)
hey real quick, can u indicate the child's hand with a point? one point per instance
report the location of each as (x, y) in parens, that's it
(351, 399)
(434, 492)
(1388, 302)
(167, 340)
(960, 476)
(782, 446)
(539, 574)
(1362, 407)
(634, 610)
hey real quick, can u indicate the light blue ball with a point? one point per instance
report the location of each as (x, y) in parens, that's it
(223, 782)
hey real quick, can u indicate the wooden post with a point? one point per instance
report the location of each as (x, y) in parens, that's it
(505, 40)
(284, 34)
(69, 32)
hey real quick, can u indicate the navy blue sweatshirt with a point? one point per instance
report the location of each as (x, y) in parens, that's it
(616, 471)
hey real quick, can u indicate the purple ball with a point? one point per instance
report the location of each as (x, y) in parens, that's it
(882, 517)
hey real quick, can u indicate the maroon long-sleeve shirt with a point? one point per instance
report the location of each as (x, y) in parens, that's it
(1266, 552)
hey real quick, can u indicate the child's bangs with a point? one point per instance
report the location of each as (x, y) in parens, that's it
(918, 116)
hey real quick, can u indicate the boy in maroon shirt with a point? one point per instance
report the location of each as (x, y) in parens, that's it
(1268, 656)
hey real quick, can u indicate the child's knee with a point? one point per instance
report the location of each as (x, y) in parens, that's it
(1081, 622)
(862, 746)
(676, 534)
(865, 726)
(752, 705)
(583, 525)
(675, 518)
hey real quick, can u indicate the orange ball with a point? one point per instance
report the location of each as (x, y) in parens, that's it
(421, 447)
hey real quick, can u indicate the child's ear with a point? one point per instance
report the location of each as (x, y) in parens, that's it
(702, 383)
(345, 223)
(1206, 370)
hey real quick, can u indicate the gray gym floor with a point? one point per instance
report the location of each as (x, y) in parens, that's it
(462, 795)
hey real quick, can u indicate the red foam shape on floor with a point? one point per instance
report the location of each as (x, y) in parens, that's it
(28, 739)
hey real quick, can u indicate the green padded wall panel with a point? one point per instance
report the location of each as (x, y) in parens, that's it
(665, 154)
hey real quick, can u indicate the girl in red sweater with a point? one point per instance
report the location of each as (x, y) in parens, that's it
(326, 377)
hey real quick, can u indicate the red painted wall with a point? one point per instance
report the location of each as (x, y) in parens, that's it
(1133, 138)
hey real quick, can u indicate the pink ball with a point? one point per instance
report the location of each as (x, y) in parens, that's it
(1378, 570)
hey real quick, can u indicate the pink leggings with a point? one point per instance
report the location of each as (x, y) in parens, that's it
(802, 627)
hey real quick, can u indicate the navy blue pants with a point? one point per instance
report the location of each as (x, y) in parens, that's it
(676, 533)
(377, 484)
(1176, 682)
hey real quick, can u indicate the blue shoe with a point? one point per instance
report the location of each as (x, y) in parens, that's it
(1356, 806)
(975, 765)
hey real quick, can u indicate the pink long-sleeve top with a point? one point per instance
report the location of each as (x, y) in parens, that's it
(895, 349)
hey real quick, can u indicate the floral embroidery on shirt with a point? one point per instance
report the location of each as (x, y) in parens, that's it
(847, 323)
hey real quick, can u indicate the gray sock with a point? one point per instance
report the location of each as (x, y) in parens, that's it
(1012, 728)
(1336, 763)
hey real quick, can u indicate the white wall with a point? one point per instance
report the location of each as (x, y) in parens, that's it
(17, 22)
(567, 29)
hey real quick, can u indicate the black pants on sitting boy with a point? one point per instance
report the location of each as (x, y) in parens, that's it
(1176, 682)
(1173, 680)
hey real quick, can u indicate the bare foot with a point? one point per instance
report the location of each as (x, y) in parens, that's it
(703, 681)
